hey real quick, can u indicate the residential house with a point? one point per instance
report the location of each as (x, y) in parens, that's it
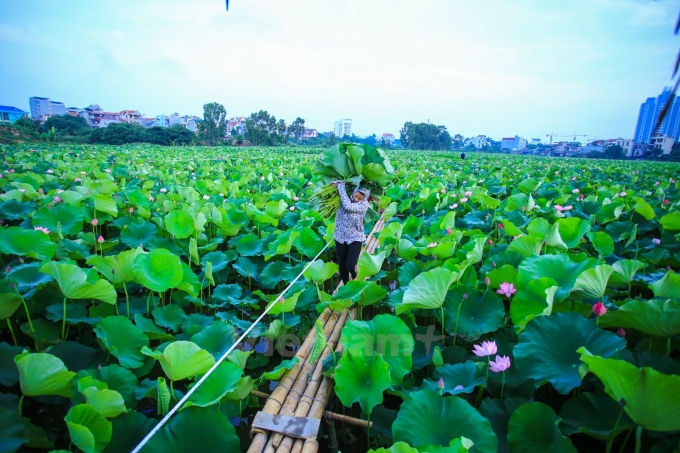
(9, 115)
(662, 142)
(131, 116)
(515, 143)
(310, 133)
(388, 138)
(101, 118)
(343, 127)
(236, 126)
(44, 107)
(625, 144)
(188, 121)
(479, 142)
(148, 122)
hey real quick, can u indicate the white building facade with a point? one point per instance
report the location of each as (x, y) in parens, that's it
(343, 127)
(515, 143)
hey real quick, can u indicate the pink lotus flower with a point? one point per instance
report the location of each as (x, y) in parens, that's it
(559, 208)
(50, 171)
(487, 348)
(150, 198)
(463, 200)
(131, 210)
(8, 269)
(453, 206)
(468, 193)
(575, 191)
(261, 178)
(500, 226)
(573, 178)
(501, 364)
(43, 229)
(77, 180)
(221, 195)
(100, 239)
(567, 208)
(95, 222)
(432, 244)
(41, 191)
(449, 231)
(599, 309)
(465, 296)
(108, 170)
(672, 181)
(292, 208)
(443, 191)
(507, 289)
(666, 201)
(458, 387)
(56, 199)
(657, 241)
(557, 172)
(163, 190)
(309, 183)
(622, 194)
(621, 333)
(296, 199)
(487, 281)
(490, 242)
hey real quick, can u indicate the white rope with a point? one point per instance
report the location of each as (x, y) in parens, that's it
(221, 359)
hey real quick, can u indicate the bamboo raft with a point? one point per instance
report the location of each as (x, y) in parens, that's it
(303, 391)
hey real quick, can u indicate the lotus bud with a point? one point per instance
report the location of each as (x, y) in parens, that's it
(13, 286)
(599, 309)
(95, 222)
(465, 296)
(21, 260)
(131, 210)
(487, 281)
(99, 367)
(8, 269)
(100, 239)
(490, 242)
(622, 402)
(621, 333)
(440, 384)
(500, 226)
(449, 231)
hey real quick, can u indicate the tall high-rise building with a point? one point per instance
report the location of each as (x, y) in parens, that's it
(343, 127)
(44, 106)
(649, 114)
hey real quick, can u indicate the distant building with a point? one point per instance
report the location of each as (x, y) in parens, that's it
(9, 115)
(479, 142)
(310, 133)
(236, 126)
(388, 138)
(131, 116)
(649, 114)
(188, 121)
(625, 144)
(42, 107)
(662, 142)
(515, 143)
(343, 127)
(328, 134)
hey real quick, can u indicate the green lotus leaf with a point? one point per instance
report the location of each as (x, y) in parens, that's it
(624, 271)
(644, 209)
(533, 427)
(280, 369)
(138, 233)
(526, 245)
(318, 271)
(480, 313)
(272, 274)
(158, 270)
(503, 274)
(118, 268)
(641, 389)
(249, 245)
(128, 430)
(282, 244)
(372, 295)
(562, 268)
(427, 290)
(572, 229)
(43, 374)
(308, 243)
(458, 378)
(412, 227)
(659, 362)
(319, 342)
(219, 260)
(182, 360)
(151, 329)
(15, 210)
(594, 414)
(109, 403)
(104, 203)
(242, 390)
(592, 283)
(671, 221)
(609, 212)
(369, 265)
(275, 208)
(22, 242)
(162, 396)
(426, 418)
(287, 306)
(660, 318)
(386, 335)
(116, 378)
(216, 386)
(534, 299)
(11, 431)
(475, 249)
(246, 268)
(64, 216)
(26, 277)
(10, 300)
(546, 350)
(9, 375)
(498, 412)
(352, 290)
(169, 316)
(123, 340)
(217, 338)
(74, 284)
(180, 224)
(361, 379)
(668, 286)
(397, 447)
(90, 431)
(602, 242)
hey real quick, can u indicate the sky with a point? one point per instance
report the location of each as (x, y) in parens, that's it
(494, 67)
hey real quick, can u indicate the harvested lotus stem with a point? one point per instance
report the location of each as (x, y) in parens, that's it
(327, 201)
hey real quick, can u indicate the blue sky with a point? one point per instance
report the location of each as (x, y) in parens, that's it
(494, 67)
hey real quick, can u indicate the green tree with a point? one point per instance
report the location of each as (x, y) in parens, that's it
(179, 135)
(458, 141)
(122, 133)
(614, 152)
(425, 136)
(30, 124)
(213, 128)
(297, 128)
(262, 129)
(66, 124)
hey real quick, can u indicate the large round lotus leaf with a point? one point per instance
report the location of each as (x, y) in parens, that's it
(652, 398)
(8, 369)
(426, 418)
(22, 242)
(318, 271)
(15, 210)
(159, 270)
(180, 224)
(272, 274)
(195, 429)
(427, 290)
(602, 242)
(362, 379)
(169, 316)
(594, 414)
(43, 374)
(352, 290)
(372, 295)
(562, 268)
(458, 378)
(220, 382)
(123, 340)
(116, 378)
(659, 362)
(109, 403)
(660, 318)
(9, 300)
(592, 283)
(89, 430)
(534, 299)
(668, 286)
(66, 216)
(138, 234)
(624, 271)
(386, 335)
(572, 230)
(547, 349)
(246, 268)
(397, 447)
(369, 265)
(218, 260)
(480, 313)
(671, 221)
(503, 274)
(287, 306)
(117, 268)
(28, 276)
(11, 431)
(533, 428)
(182, 360)
(308, 243)
(128, 430)
(249, 245)
(498, 412)
(217, 338)
(74, 284)
(76, 356)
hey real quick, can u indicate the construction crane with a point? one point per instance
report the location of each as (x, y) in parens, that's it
(551, 135)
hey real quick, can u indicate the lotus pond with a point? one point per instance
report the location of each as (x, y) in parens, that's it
(515, 304)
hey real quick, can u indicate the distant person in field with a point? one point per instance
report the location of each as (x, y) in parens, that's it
(462, 156)
(349, 229)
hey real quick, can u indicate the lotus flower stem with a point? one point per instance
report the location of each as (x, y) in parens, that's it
(443, 331)
(625, 441)
(455, 331)
(611, 441)
(127, 300)
(30, 323)
(11, 330)
(638, 439)
(63, 323)
(147, 304)
(21, 400)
